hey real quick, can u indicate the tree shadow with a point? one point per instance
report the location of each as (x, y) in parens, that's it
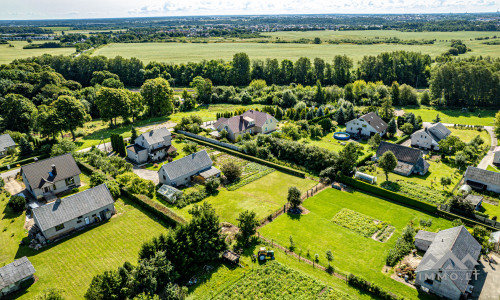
(9, 213)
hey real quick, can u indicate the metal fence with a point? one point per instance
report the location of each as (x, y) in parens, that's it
(209, 140)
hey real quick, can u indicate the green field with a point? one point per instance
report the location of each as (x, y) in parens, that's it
(8, 54)
(455, 116)
(195, 52)
(315, 232)
(71, 263)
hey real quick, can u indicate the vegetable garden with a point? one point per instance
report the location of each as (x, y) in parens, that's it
(363, 224)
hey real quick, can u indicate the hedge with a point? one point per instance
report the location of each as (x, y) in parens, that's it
(19, 162)
(389, 194)
(317, 119)
(251, 158)
(361, 160)
(376, 290)
(88, 169)
(160, 211)
(402, 139)
(451, 216)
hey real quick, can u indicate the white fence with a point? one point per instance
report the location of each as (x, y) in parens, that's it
(209, 140)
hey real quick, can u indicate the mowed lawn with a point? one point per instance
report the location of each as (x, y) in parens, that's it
(352, 252)
(72, 263)
(455, 116)
(264, 196)
(8, 54)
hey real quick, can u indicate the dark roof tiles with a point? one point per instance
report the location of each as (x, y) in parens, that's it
(38, 173)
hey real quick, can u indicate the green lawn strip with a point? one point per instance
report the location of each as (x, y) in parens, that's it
(491, 210)
(454, 116)
(11, 231)
(466, 135)
(316, 233)
(492, 168)
(71, 263)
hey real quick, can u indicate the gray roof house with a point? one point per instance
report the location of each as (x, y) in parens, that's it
(429, 137)
(6, 143)
(448, 264)
(367, 125)
(51, 176)
(153, 145)
(73, 212)
(15, 273)
(410, 160)
(251, 121)
(182, 171)
(423, 239)
(475, 200)
(481, 179)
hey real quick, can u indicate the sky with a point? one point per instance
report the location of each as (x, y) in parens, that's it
(82, 9)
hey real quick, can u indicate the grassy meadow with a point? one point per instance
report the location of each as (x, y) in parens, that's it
(484, 117)
(8, 54)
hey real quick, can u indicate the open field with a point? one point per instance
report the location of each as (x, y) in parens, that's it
(455, 116)
(264, 196)
(316, 233)
(195, 52)
(70, 264)
(8, 54)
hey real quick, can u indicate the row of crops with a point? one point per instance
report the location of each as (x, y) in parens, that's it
(251, 172)
(415, 190)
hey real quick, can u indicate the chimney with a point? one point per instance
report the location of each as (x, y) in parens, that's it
(54, 170)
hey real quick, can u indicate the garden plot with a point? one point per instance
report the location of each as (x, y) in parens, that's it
(364, 225)
(415, 190)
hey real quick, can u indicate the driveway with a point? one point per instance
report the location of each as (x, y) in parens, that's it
(9, 174)
(147, 174)
(13, 186)
(488, 159)
(487, 285)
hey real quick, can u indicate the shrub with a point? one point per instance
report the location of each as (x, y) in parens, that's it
(75, 190)
(211, 185)
(17, 203)
(403, 246)
(232, 171)
(96, 179)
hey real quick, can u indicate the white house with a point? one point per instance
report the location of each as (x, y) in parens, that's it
(6, 143)
(251, 121)
(480, 179)
(51, 176)
(182, 171)
(154, 145)
(367, 125)
(429, 137)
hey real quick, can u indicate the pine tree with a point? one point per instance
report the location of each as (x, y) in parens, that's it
(340, 117)
(26, 147)
(392, 128)
(133, 137)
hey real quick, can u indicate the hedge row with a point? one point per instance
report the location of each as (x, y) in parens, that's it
(158, 210)
(88, 169)
(361, 161)
(451, 216)
(388, 194)
(402, 139)
(317, 119)
(251, 158)
(20, 162)
(372, 288)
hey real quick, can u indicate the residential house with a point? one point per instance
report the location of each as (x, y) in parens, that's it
(448, 264)
(6, 143)
(480, 179)
(410, 160)
(183, 171)
(423, 239)
(429, 137)
(367, 125)
(74, 212)
(51, 176)
(496, 156)
(154, 145)
(14, 274)
(251, 121)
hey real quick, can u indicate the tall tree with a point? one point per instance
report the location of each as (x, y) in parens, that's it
(247, 223)
(158, 96)
(388, 163)
(294, 196)
(203, 87)
(72, 112)
(113, 103)
(18, 113)
(241, 69)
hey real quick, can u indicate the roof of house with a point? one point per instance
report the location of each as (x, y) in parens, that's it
(402, 153)
(220, 121)
(474, 199)
(497, 149)
(425, 235)
(210, 172)
(40, 172)
(187, 165)
(71, 207)
(258, 117)
(242, 122)
(136, 148)
(156, 135)
(439, 131)
(15, 271)
(459, 242)
(6, 141)
(482, 176)
(375, 121)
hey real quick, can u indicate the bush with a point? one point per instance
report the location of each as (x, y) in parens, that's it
(211, 185)
(75, 190)
(403, 246)
(113, 188)
(371, 287)
(96, 179)
(232, 171)
(17, 203)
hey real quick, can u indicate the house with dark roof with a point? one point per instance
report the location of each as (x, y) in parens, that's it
(448, 264)
(367, 125)
(6, 143)
(154, 145)
(51, 176)
(14, 274)
(480, 179)
(74, 212)
(251, 121)
(184, 170)
(475, 200)
(410, 160)
(429, 137)
(496, 156)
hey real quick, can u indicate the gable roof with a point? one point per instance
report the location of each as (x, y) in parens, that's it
(156, 135)
(40, 172)
(6, 141)
(482, 176)
(439, 131)
(136, 148)
(15, 271)
(457, 241)
(71, 207)
(259, 117)
(402, 153)
(425, 235)
(375, 121)
(242, 122)
(187, 165)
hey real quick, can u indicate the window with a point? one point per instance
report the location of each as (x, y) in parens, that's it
(80, 217)
(429, 281)
(54, 187)
(94, 215)
(60, 227)
(70, 181)
(164, 177)
(79, 221)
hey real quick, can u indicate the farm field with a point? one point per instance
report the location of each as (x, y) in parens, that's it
(315, 232)
(70, 264)
(454, 116)
(264, 196)
(8, 54)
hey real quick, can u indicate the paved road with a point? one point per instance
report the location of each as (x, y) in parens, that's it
(147, 174)
(487, 284)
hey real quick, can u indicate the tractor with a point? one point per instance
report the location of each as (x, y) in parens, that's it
(265, 254)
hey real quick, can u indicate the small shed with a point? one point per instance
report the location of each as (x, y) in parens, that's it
(423, 239)
(465, 189)
(365, 177)
(231, 256)
(169, 193)
(14, 274)
(475, 200)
